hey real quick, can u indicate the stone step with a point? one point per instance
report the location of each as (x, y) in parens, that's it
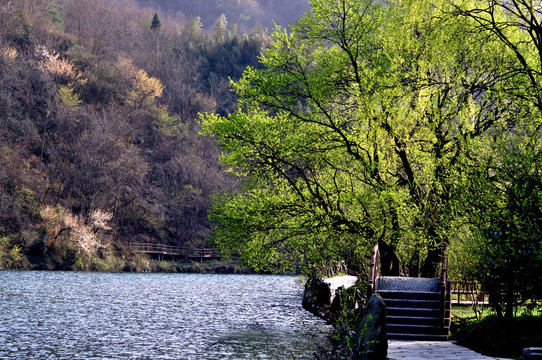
(532, 353)
(397, 294)
(414, 320)
(399, 283)
(420, 337)
(415, 329)
(412, 303)
(415, 312)
(413, 308)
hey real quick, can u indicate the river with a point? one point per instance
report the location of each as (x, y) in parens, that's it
(72, 315)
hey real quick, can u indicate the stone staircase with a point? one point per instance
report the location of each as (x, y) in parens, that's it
(414, 308)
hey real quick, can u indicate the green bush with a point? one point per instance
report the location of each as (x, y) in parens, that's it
(11, 254)
(117, 262)
(100, 265)
(166, 266)
(139, 263)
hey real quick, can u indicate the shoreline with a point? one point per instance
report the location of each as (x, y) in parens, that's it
(156, 266)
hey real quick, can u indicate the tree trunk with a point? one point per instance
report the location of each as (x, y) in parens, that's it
(509, 301)
(432, 263)
(389, 262)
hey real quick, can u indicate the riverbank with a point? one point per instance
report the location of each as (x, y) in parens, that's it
(68, 256)
(195, 267)
(130, 263)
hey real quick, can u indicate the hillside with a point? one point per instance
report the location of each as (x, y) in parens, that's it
(99, 143)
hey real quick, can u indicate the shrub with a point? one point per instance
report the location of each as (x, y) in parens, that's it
(494, 336)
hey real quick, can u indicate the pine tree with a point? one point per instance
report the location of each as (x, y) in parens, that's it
(156, 24)
(221, 29)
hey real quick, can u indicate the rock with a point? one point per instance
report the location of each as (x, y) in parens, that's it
(533, 353)
(340, 282)
(345, 301)
(323, 298)
(317, 298)
(371, 341)
(337, 305)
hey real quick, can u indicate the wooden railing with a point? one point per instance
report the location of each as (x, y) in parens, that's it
(374, 271)
(469, 291)
(182, 251)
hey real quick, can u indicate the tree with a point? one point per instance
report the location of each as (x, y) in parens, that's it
(353, 133)
(516, 25)
(155, 24)
(503, 179)
(501, 246)
(56, 14)
(221, 29)
(145, 88)
(106, 28)
(193, 28)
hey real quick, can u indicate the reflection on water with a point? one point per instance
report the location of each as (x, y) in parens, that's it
(67, 315)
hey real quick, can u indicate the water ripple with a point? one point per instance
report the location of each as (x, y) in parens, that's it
(67, 315)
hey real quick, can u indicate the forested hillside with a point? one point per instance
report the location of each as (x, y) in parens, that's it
(244, 13)
(98, 140)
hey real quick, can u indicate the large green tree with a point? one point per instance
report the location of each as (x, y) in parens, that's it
(356, 132)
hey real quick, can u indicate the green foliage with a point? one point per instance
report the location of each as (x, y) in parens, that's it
(350, 316)
(169, 124)
(11, 255)
(100, 265)
(140, 263)
(506, 217)
(56, 13)
(165, 266)
(21, 33)
(502, 180)
(68, 98)
(193, 28)
(351, 133)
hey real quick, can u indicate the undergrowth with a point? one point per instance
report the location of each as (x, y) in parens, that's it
(499, 337)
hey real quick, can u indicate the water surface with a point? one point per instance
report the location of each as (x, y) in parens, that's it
(70, 315)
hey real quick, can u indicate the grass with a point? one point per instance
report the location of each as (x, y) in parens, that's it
(466, 312)
(496, 337)
(463, 313)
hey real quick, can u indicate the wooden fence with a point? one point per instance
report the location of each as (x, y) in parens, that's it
(180, 251)
(468, 293)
